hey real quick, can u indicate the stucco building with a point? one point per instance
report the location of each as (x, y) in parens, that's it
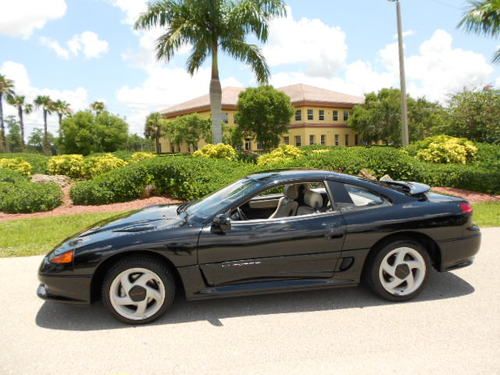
(320, 117)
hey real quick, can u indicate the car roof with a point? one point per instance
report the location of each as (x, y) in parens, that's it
(299, 174)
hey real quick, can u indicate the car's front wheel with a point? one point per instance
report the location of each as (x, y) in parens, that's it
(138, 290)
(399, 270)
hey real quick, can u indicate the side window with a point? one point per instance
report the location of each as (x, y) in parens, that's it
(348, 197)
(363, 198)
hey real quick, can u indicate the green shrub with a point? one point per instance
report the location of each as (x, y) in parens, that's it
(446, 149)
(488, 156)
(8, 175)
(27, 197)
(140, 156)
(219, 151)
(182, 177)
(37, 161)
(280, 155)
(16, 164)
(71, 165)
(96, 165)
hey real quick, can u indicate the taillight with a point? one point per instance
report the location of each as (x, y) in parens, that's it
(466, 208)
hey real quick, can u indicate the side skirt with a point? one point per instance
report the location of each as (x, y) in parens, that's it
(269, 287)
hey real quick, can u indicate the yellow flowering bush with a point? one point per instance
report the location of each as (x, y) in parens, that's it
(16, 164)
(139, 156)
(446, 149)
(96, 165)
(279, 155)
(70, 165)
(218, 151)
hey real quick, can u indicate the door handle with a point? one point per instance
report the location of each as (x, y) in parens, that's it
(335, 231)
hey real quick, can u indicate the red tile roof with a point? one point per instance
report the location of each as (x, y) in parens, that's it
(300, 94)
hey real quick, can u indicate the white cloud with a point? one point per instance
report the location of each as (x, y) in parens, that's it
(77, 97)
(131, 8)
(162, 88)
(322, 48)
(437, 70)
(20, 18)
(86, 43)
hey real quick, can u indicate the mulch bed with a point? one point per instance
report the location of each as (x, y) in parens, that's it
(471, 196)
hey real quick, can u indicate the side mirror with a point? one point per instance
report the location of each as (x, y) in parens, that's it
(221, 223)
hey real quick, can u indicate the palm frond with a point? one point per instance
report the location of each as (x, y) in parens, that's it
(250, 54)
(482, 17)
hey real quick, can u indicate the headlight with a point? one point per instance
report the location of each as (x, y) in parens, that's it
(62, 258)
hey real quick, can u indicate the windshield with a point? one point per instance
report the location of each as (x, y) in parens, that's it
(223, 198)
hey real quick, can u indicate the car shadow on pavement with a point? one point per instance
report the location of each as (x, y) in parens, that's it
(87, 318)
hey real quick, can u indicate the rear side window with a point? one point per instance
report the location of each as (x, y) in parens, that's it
(348, 197)
(363, 198)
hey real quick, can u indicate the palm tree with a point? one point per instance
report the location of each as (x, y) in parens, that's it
(153, 128)
(483, 17)
(7, 90)
(212, 26)
(47, 105)
(97, 107)
(19, 101)
(62, 108)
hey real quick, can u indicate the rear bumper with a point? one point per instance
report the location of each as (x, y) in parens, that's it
(67, 289)
(460, 253)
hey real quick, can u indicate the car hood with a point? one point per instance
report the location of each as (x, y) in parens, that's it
(148, 219)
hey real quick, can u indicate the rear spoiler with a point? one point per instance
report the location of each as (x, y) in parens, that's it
(412, 188)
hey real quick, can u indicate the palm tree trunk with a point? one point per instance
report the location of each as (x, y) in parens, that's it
(216, 99)
(21, 124)
(45, 134)
(3, 145)
(157, 139)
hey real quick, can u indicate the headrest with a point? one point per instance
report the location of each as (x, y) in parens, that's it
(292, 191)
(313, 199)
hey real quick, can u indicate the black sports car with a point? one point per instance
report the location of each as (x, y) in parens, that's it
(270, 232)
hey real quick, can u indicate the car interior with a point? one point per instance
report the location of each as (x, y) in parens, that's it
(285, 201)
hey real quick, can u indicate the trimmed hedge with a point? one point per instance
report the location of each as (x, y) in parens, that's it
(19, 195)
(181, 177)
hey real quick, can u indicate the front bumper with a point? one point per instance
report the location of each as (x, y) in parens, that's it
(459, 253)
(68, 289)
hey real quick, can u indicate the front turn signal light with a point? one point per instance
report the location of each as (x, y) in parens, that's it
(64, 258)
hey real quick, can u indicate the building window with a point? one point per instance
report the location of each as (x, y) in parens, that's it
(336, 139)
(248, 144)
(346, 115)
(347, 139)
(335, 115)
(225, 117)
(312, 139)
(298, 141)
(286, 140)
(298, 115)
(322, 115)
(323, 139)
(356, 139)
(310, 114)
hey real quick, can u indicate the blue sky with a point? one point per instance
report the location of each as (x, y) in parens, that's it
(82, 51)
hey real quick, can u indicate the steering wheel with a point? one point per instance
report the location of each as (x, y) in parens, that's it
(241, 214)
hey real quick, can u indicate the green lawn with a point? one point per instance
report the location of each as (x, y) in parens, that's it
(487, 214)
(25, 237)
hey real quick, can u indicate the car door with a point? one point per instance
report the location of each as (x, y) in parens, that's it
(288, 248)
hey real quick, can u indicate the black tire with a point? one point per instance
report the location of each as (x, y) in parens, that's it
(150, 263)
(374, 262)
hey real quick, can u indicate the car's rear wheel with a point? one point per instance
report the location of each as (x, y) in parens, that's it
(399, 270)
(138, 290)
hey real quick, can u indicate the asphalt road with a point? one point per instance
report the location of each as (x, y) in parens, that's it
(452, 328)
